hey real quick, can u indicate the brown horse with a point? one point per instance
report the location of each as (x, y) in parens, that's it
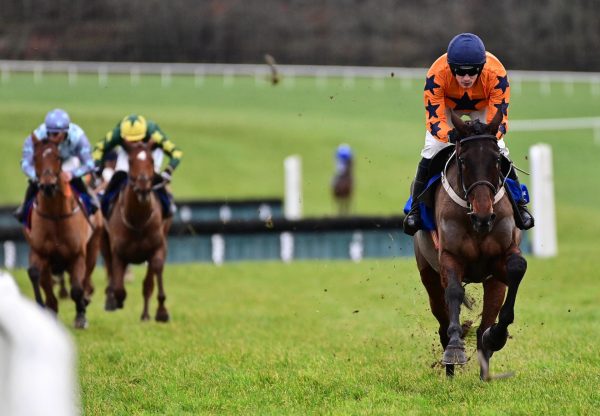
(476, 241)
(61, 238)
(136, 232)
(342, 188)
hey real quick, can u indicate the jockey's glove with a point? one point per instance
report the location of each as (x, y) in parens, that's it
(166, 175)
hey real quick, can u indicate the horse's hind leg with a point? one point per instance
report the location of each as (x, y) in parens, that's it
(148, 288)
(34, 276)
(77, 273)
(157, 264)
(493, 295)
(494, 338)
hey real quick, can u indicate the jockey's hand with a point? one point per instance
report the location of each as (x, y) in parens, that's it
(67, 176)
(166, 175)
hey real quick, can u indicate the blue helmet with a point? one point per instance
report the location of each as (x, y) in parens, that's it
(57, 121)
(466, 49)
(344, 152)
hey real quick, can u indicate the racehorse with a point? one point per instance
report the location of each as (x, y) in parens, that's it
(61, 237)
(343, 187)
(136, 232)
(475, 241)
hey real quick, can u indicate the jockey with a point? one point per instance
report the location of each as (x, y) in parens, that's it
(468, 80)
(343, 158)
(134, 128)
(74, 146)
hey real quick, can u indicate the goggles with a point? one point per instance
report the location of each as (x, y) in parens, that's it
(463, 70)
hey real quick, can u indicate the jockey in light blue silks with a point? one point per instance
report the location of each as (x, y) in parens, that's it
(75, 152)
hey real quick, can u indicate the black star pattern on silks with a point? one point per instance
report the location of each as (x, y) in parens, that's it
(434, 127)
(430, 84)
(431, 109)
(502, 128)
(503, 106)
(502, 83)
(464, 102)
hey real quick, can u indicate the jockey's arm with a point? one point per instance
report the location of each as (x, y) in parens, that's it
(27, 159)
(435, 107)
(168, 147)
(499, 100)
(104, 146)
(83, 151)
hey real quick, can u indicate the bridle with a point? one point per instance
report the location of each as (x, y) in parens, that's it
(498, 189)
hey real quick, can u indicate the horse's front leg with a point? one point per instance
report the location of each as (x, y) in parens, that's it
(77, 273)
(452, 271)
(494, 338)
(35, 272)
(493, 296)
(157, 265)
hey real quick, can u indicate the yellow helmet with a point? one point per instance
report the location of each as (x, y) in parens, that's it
(134, 128)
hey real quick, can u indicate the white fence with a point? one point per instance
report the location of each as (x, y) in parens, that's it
(263, 71)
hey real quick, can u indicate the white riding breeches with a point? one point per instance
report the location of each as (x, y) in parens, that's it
(433, 145)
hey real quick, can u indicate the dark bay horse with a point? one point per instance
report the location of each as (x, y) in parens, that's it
(343, 187)
(61, 238)
(476, 241)
(136, 232)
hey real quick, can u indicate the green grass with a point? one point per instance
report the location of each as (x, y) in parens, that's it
(332, 338)
(271, 338)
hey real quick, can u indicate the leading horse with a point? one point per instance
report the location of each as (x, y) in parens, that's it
(343, 188)
(475, 241)
(61, 237)
(136, 232)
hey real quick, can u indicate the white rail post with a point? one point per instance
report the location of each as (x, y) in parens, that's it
(293, 187)
(544, 241)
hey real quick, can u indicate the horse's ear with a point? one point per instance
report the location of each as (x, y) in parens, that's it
(34, 138)
(492, 128)
(152, 144)
(459, 125)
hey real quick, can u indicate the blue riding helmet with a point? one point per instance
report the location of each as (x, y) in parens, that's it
(344, 152)
(57, 121)
(466, 49)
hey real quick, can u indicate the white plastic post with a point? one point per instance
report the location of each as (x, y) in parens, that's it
(293, 187)
(38, 357)
(544, 241)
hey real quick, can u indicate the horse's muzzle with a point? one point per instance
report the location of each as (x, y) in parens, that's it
(48, 188)
(482, 223)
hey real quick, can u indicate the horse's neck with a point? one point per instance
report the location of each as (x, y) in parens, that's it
(137, 211)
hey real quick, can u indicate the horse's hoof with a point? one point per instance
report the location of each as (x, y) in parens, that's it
(449, 370)
(110, 305)
(63, 294)
(145, 317)
(495, 341)
(162, 316)
(80, 322)
(454, 355)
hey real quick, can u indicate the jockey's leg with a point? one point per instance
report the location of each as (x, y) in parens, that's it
(168, 208)
(523, 217)
(30, 193)
(82, 188)
(412, 221)
(111, 191)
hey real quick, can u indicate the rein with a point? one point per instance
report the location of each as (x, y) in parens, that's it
(55, 217)
(498, 190)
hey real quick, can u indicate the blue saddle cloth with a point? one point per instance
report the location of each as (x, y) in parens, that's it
(83, 198)
(427, 214)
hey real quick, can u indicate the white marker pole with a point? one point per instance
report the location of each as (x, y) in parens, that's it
(544, 241)
(293, 187)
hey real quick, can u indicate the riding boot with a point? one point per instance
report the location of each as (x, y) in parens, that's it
(523, 218)
(89, 198)
(412, 221)
(32, 189)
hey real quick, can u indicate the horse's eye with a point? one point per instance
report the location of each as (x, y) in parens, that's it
(461, 160)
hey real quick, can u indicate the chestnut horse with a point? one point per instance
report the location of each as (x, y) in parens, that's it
(61, 237)
(136, 232)
(342, 188)
(476, 241)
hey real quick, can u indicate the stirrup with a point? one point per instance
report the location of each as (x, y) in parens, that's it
(412, 221)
